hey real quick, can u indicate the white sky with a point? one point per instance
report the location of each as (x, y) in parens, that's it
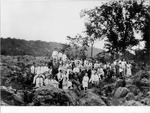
(46, 20)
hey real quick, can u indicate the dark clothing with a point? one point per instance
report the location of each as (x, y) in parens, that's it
(89, 73)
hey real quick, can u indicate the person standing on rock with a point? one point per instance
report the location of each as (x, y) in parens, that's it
(64, 58)
(47, 81)
(123, 65)
(85, 81)
(96, 65)
(39, 80)
(117, 68)
(100, 73)
(55, 54)
(65, 83)
(60, 77)
(33, 68)
(60, 55)
(55, 83)
(129, 66)
(94, 78)
(120, 70)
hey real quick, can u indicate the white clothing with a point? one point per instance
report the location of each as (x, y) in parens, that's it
(39, 82)
(123, 64)
(47, 82)
(42, 69)
(90, 64)
(85, 81)
(129, 70)
(55, 55)
(104, 67)
(85, 63)
(65, 84)
(76, 62)
(32, 69)
(69, 84)
(59, 76)
(64, 58)
(94, 78)
(65, 76)
(100, 71)
(60, 55)
(76, 69)
(55, 83)
(96, 65)
(38, 70)
(120, 69)
(35, 77)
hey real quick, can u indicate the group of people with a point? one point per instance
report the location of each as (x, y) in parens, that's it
(64, 73)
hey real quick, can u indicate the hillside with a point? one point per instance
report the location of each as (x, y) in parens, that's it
(12, 46)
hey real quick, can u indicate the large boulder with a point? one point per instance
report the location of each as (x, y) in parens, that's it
(132, 103)
(141, 78)
(50, 96)
(90, 99)
(129, 82)
(119, 83)
(146, 101)
(9, 96)
(130, 96)
(3, 103)
(133, 89)
(121, 92)
(145, 82)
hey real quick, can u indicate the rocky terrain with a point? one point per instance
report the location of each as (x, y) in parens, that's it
(17, 89)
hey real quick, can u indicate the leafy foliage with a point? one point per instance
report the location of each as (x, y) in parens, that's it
(118, 21)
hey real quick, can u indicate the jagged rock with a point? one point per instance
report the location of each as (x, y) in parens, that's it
(8, 96)
(72, 96)
(48, 95)
(145, 82)
(139, 96)
(133, 89)
(130, 96)
(119, 83)
(116, 102)
(91, 99)
(129, 81)
(3, 103)
(132, 103)
(141, 78)
(146, 101)
(121, 92)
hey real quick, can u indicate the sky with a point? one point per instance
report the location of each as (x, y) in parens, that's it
(46, 20)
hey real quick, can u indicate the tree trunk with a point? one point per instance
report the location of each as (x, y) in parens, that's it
(91, 50)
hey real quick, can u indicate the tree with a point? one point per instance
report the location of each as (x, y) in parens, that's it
(80, 45)
(118, 21)
(66, 48)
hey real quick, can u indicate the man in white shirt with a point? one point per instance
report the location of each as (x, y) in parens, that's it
(96, 65)
(33, 69)
(64, 57)
(60, 55)
(123, 65)
(55, 54)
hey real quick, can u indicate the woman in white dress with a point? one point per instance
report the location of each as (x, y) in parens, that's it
(129, 73)
(94, 78)
(85, 81)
